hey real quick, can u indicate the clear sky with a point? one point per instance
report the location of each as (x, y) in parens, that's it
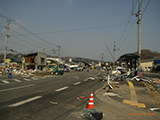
(80, 27)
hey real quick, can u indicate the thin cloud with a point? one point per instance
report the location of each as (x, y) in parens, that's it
(70, 2)
(0, 10)
(13, 26)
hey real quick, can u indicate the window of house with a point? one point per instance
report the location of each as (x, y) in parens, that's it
(42, 60)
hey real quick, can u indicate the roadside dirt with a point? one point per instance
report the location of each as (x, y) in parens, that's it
(155, 94)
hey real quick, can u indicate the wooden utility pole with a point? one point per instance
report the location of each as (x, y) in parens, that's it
(7, 36)
(102, 57)
(139, 33)
(114, 51)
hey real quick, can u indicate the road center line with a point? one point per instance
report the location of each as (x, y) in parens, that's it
(16, 80)
(27, 79)
(96, 75)
(25, 101)
(77, 83)
(5, 81)
(61, 89)
(4, 90)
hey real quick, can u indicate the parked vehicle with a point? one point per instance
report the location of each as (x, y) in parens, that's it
(58, 69)
(156, 69)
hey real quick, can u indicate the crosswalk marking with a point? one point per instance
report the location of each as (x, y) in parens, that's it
(26, 79)
(5, 81)
(34, 78)
(77, 83)
(16, 80)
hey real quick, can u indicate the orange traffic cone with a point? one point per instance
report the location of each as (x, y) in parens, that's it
(91, 104)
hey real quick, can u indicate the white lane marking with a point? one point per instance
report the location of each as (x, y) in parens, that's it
(25, 101)
(85, 79)
(26, 79)
(96, 75)
(16, 80)
(17, 88)
(77, 83)
(61, 89)
(34, 78)
(5, 81)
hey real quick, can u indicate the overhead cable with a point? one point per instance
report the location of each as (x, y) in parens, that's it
(146, 6)
(22, 27)
(27, 38)
(82, 29)
(20, 9)
(33, 33)
(127, 34)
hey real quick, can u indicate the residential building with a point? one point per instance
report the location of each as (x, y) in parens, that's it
(35, 60)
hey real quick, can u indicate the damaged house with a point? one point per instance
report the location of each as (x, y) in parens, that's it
(35, 60)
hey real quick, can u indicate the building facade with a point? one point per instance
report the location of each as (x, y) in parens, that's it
(35, 60)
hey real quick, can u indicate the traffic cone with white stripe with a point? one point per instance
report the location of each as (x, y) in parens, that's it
(91, 104)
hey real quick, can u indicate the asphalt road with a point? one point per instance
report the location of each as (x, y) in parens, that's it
(55, 98)
(51, 98)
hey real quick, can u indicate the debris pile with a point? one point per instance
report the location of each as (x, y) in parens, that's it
(155, 82)
(91, 114)
(116, 72)
(104, 78)
(110, 94)
(31, 72)
(28, 72)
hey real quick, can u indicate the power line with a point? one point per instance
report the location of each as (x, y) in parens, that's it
(20, 9)
(22, 27)
(33, 44)
(27, 38)
(19, 44)
(125, 29)
(13, 50)
(81, 29)
(146, 6)
(33, 34)
(63, 52)
(127, 34)
(134, 6)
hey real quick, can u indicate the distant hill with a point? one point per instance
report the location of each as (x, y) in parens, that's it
(145, 54)
(148, 54)
(88, 60)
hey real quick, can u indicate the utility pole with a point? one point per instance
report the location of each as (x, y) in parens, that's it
(7, 36)
(139, 33)
(102, 57)
(54, 52)
(114, 51)
(59, 47)
(109, 51)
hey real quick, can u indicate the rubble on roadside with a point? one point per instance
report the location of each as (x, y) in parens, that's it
(115, 72)
(110, 94)
(91, 114)
(104, 78)
(30, 72)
